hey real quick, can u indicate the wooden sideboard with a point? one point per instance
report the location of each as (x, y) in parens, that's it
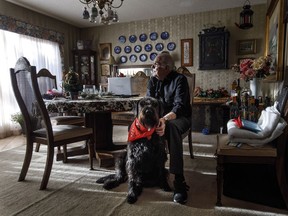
(211, 113)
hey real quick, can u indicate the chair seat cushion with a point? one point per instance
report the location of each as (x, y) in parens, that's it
(62, 132)
(223, 149)
(67, 120)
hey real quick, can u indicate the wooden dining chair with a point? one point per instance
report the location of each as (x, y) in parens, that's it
(47, 81)
(139, 84)
(191, 82)
(273, 153)
(38, 125)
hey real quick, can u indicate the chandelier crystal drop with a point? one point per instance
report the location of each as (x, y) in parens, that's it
(102, 9)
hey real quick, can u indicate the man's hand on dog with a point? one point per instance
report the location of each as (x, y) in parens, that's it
(160, 129)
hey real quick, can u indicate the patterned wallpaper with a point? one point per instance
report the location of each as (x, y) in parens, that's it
(184, 27)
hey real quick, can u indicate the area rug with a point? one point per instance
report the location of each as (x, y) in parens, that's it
(72, 190)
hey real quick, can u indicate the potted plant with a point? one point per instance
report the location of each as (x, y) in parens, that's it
(18, 118)
(72, 83)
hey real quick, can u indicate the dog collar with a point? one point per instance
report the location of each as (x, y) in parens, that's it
(138, 131)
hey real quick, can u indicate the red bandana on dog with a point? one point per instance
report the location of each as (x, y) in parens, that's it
(138, 131)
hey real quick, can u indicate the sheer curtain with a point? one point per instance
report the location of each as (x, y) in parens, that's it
(40, 53)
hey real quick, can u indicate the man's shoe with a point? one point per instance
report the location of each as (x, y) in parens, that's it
(180, 192)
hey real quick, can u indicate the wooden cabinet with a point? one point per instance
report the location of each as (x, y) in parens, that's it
(84, 63)
(213, 48)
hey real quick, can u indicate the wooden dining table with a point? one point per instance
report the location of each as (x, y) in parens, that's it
(97, 114)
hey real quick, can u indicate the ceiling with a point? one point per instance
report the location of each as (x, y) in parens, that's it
(70, 11)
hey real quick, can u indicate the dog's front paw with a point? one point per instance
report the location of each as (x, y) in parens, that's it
(110, 184)
(131, 198)
(105, 178)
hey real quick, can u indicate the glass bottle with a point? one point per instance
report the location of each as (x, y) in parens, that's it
(234, 109)
(238, 91)
(243, 107)
(253, 111)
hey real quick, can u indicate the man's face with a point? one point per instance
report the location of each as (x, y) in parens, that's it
(160, 70)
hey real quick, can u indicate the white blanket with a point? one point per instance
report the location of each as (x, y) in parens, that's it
(270, 122)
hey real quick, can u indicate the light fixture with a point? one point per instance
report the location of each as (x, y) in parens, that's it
(106, 13)
(246, 21)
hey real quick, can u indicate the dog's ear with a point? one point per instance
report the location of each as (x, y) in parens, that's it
(136, 109)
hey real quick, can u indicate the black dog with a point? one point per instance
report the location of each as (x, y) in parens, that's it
(144, 161)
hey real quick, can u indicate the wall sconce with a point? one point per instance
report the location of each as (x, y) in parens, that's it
(246, 21)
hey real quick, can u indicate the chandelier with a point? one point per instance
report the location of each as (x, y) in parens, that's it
(101, 8)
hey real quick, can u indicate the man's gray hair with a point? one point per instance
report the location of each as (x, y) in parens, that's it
(167, 59)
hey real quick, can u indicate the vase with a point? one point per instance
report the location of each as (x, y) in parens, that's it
(74, 95)
(255, 87)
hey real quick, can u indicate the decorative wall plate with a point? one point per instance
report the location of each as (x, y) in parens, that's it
(164, 35)
(154, 36)
(133, 58)
(143, 57)
(123, 59)
(133, 38)
(137, 48)
(122, 39)
(127, 49)
(153, 56)
(143, 37)
(171, 46)
(159, 46)
(117, 49)
(148, 47)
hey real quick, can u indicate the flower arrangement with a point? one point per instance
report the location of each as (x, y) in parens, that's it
(72, 82)
(254, 68)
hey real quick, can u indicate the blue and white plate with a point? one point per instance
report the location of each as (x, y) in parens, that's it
(117, 49)
(171, 46)
(127, 49)
(123, 59)
(122, 39)
(143, 57)
(164, 35)
(133, 38)
(148, 47)
(143, 37)
(159, 46)
(154, 36)
(133, 58)
(153, 56)
(137, 48)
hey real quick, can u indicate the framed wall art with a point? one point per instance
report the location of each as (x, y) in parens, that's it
(105, 51)
(286, 11)
(213, 48)
(246, 47)
(187, 52)
(275, 39)
(105, 70)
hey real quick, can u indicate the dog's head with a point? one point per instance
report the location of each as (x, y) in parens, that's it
(148, 112)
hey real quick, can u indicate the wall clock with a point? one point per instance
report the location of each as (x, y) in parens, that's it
(213, 48)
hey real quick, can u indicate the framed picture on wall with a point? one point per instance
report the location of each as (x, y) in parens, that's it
(187, 52)
(105, 69)
(213, 48)
(286, 11)
(275, 39)
(246, 47)
(105, 51)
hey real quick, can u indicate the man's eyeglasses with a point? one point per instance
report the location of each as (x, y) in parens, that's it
(157, 65)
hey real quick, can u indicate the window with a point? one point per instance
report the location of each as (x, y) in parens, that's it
(40, 53)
